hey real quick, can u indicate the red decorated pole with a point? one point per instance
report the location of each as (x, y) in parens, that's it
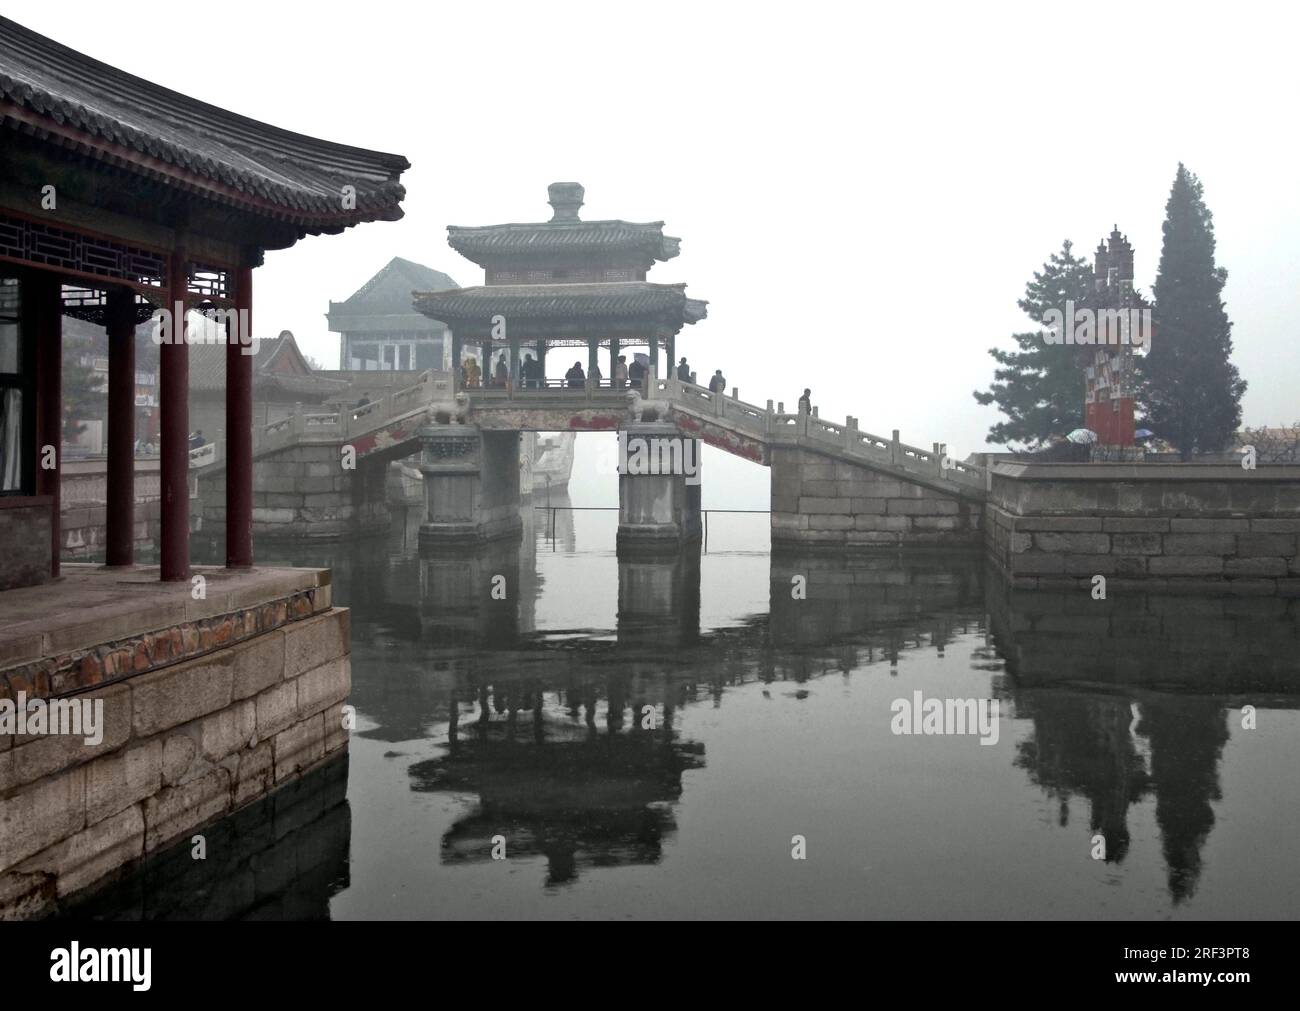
(46, 294)
(120, 498)
(174, 466)
(239, 429)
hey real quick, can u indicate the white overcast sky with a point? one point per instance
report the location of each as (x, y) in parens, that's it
(862, 190)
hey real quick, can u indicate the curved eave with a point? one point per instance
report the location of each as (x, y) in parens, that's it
(618, 306)
(383, 203)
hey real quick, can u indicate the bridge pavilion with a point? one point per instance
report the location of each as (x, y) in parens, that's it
(119, 198)
(563, 283)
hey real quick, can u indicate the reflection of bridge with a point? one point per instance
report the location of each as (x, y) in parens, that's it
(1116, 705)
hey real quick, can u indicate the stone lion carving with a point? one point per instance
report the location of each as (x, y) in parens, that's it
(641, 409)
(449, 412)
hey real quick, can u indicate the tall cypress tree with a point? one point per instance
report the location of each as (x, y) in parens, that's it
(1192, 391)
(1039, 387)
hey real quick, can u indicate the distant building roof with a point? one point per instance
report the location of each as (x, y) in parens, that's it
(278, 365)
(384, 303)
(96, 111)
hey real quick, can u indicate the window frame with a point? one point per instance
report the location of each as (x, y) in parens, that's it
(24, 380)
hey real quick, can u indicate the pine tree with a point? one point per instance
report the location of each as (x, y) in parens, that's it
(1192, 391)
(1040, 386)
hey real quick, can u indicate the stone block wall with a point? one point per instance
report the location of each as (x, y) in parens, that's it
(25, 533)
(303, 493)
(817, 500)
(1150, 524)
(82, 529)
(184, 743)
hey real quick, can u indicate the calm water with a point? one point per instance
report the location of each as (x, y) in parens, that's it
(522, 718)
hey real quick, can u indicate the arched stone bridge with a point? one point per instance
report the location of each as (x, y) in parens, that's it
(832, 483)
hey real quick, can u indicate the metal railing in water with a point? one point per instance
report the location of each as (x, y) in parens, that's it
(599, 509)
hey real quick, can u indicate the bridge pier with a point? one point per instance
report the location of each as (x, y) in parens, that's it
(471, 484)
(658, 510)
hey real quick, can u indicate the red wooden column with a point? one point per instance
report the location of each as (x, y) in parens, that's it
(120, 499)
(46, 295)
(174, 428)
(239, 429)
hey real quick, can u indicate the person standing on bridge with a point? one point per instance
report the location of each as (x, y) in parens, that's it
(528, 370)
(595, 376)
(503, 372)
(636, 372)
(805, 402)
(576, 377)
(620, 372)
(683, 370)
(718, 382)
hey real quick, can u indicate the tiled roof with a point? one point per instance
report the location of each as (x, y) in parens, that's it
(383, 304)
(208, 370)
(543, 239)
(94, 109)
(391, 287)
(564, 301)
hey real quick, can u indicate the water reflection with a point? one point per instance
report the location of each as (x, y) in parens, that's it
(282, 858)
(607, 718)
(1131, 698)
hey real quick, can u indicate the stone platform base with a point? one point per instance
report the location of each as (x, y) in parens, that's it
(207, 705)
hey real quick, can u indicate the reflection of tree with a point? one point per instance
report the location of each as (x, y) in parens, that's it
(1187, 735)
(561, 789)
(1081, 745)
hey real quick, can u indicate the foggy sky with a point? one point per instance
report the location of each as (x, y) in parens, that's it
(862, 191)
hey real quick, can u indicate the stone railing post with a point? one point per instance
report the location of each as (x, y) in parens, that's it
(895, 449)
(937, 458)
(850, 433)
(769, 422)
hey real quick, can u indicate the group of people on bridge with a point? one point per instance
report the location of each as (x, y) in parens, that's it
(533, 375)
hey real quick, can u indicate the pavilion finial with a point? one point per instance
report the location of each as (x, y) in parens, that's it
(566, 198)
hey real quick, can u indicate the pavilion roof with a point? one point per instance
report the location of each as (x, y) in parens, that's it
(609, 300)
(90, 108)
(485, 244)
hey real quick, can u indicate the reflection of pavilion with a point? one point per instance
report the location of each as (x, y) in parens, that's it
(558, 788)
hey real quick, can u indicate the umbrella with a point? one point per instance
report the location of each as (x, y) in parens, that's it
(1143, 433)
(1082, 435)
